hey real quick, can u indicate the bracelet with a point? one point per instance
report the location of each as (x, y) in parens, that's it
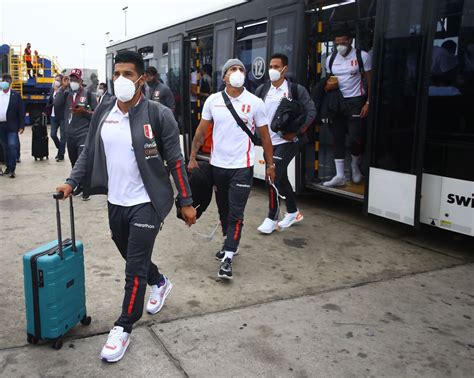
(271, 165)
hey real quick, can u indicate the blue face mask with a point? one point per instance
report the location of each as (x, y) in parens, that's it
(5, 85)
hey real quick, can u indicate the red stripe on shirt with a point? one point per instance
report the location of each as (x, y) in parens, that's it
(180, 178)
(134, 294)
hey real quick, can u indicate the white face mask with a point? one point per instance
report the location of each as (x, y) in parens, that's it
(75, 85)
(125, 88)
(237, 79)
(342, 49)
(100, 92)
(274, 74)
(57, 84)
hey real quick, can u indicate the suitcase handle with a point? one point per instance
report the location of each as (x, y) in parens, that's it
(57, 196)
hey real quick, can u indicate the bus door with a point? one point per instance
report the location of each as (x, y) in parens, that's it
(199, 47)
(176, 83)
(398, 116)
(358, 18)
(285, 35)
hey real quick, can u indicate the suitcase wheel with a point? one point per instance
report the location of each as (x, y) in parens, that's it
(86, 320)
(58, 344)
(31, 339)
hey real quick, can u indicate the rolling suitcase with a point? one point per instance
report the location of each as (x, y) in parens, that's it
(55, 295)
(39, 142)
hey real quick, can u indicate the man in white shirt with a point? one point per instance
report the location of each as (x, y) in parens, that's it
(285, 146)
(345, 65)
(232, 155)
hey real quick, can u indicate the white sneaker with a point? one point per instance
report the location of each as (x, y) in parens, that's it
(290, 219)
(335, 181)
(157, 296)
(268, 226)
(356, 175)
(116, 345)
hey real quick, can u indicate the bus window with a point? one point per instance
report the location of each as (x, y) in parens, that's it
(251, 49)
(283, 29)
(450, 117)
(396, 114)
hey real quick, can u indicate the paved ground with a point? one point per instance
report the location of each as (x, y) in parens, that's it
(340, 294)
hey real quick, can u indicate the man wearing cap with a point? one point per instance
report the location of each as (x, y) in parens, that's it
(232, 155)
(79, 105)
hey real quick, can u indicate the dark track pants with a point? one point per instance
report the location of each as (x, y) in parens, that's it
(74, 148)
(134, 230)
(350, 124)
(232, 192)
(282, 156)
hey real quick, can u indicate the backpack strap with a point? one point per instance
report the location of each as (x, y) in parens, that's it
(262, 90)
(331, 61)
(239, 121)
(294, 90)
(360, 62)
(154, 115)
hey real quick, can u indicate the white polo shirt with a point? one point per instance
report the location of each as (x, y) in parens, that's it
(231, 147)
(272, 100)
(346, 69)
(126, 186)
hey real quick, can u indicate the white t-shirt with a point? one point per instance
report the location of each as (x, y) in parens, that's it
(126, 186)
(346, 69)
(272, 100)
(231, 147)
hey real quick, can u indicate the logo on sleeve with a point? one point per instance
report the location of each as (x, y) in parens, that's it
(245, 108)
(148, 131)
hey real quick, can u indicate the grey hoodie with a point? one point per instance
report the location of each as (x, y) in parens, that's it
(150, 151)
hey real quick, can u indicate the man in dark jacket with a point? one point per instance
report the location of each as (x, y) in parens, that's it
(12, 123)
(123, 159)
(79, 105)
(285, 146)
(57, 119)
(156, 90)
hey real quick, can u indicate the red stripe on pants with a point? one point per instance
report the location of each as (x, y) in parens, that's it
(272, 198)
(180, 178)
(237, 228)
(134, 294)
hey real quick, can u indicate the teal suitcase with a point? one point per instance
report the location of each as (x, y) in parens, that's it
(55, 296)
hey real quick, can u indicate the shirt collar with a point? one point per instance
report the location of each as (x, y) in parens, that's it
(282, 87)
(6, 94)
(117, 109)
(239, 97)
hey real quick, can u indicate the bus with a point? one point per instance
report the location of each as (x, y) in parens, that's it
(419, 136)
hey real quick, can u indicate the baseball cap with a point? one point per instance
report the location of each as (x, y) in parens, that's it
(76, 72)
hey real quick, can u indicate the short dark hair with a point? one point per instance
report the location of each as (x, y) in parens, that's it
(104, 85)
(282, 57)
(343, 32)
(152, 71)
(131, 57)
(7, 77)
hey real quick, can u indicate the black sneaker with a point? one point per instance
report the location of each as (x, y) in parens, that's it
(225, 270)
(77, 191)
(220, 254)
(6, 171)
(86, 198)
(12, 174)
(60, 158)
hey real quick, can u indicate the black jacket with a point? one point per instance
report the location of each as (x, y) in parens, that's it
(15, 114)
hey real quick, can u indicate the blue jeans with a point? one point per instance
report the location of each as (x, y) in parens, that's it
(10, 143)
(60, 142)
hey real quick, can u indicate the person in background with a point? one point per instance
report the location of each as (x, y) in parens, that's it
(102, 93)
(28, 60)
(79, 104)
(205, 83)
(36, 64)
(57, 119)
(157, 91)
(12, 123)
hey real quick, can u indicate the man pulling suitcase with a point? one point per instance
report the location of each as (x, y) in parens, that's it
(129, 139)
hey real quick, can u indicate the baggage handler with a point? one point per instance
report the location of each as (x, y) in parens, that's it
(123, 159)
(232, 155)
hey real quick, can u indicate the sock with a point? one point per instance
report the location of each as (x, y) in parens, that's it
(355, 161)
(228, 255)
(339, 167)
(161, 282)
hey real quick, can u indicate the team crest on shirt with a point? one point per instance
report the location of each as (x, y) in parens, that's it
(148, 131)
(245, 108)
(82, 99)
